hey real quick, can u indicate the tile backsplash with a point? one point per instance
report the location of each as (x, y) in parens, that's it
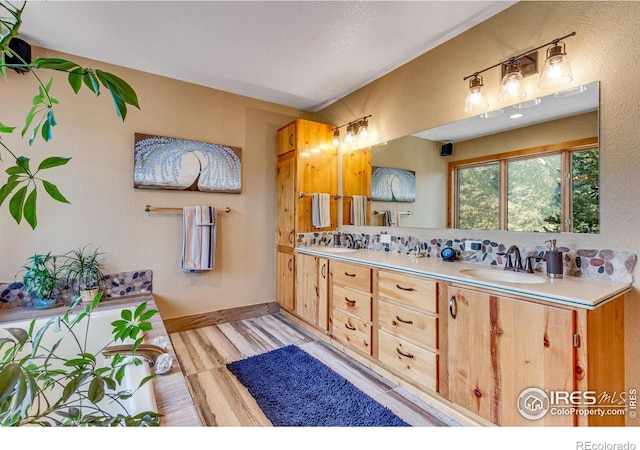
(119, 284)
(605, 264)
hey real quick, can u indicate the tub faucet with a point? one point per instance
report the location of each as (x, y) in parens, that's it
(149, 352)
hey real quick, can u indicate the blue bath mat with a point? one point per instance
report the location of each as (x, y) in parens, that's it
(294, 389)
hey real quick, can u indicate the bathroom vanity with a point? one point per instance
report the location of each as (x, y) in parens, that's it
(470, 337)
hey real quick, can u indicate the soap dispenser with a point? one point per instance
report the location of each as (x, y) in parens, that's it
(555, 267)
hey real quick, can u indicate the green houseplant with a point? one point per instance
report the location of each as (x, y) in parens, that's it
(83, 270)
(42, 277)
(23, 178)
(41, 386)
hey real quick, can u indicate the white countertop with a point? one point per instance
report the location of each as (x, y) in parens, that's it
(573, 291)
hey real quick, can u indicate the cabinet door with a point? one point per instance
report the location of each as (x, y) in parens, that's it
(285, 270)
(499, 346)
(307, 298)
(285, 203)
(286, 139)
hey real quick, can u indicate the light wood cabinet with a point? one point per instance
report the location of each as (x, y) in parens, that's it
(312, 286)
(477, 348)
(306, 163)
(500, 346)
(408, 327)
(351, 299)
(285, 273)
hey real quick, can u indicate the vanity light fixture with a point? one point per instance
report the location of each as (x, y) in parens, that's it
(476, 98)
(358, 128)
(556, 68)
(511, 88)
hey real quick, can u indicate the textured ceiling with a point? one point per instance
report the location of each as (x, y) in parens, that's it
(303, 54)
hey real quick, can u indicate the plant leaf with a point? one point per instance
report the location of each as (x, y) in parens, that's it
(54, 64)
(19, 334)
(124, 89)
(9, 186)
(6, 129)
(16, 203)
(54, 192)
(29, 211)
(75, 79)
(96, 389)
(53, 161)
(9, 379)
(91, 82)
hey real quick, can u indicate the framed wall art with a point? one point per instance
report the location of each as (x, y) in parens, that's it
(393, 185)
(181, 164)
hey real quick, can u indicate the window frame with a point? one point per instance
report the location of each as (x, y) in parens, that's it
(564, 149)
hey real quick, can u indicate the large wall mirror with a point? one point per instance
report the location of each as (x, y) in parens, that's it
(528, 167)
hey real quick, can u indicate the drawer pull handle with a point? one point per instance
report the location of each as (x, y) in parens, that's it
(350, 274)
(290, 237)
(290, 265)
(349, 301)
(453, 307)
(349, 327)
(404, 288)
(401, 353)
(410, 322)
(323, 271)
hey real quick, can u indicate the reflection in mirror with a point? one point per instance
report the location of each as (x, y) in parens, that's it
(551, 125)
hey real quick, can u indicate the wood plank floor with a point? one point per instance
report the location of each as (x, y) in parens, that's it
(223, 402)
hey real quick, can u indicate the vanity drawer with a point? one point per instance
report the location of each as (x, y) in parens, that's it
(356, 303)
(352, 331)
(351, 275)
(421, 327)
(414, 291)
(410, 361)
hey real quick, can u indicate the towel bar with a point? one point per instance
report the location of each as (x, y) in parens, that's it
(149, 208)
(402, 213)
(303, 194)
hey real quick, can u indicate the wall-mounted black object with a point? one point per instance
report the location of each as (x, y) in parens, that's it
(447, 149)
(448, 254)
(23, 50)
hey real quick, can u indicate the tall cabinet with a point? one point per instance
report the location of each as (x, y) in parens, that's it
(307, 164)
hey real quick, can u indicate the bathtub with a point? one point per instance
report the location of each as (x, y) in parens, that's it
(99, 335)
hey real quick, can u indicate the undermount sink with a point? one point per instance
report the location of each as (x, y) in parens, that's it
(336, 249)
(503, 276)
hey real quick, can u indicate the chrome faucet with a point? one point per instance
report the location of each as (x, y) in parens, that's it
(147, 351)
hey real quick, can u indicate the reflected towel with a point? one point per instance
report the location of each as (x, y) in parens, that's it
(390, 218)
(198, 238)
(358, 210)
(320, 210)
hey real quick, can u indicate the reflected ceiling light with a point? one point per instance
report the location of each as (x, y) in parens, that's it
(557, 69)
(516, 116)
(350, 134)
(514, 69)
(528, 104)
(476, 97)
(358, 127)
(336, 137)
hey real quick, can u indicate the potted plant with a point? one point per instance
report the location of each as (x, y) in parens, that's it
(84, 272)
(48, 386)
(42, 277)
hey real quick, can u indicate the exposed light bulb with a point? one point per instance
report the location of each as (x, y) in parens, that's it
(363, 129)
(336, 138)
(350, 136)
(476, 100)
(511, 89)
(557, 69)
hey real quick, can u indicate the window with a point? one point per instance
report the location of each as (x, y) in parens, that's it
(526, 190)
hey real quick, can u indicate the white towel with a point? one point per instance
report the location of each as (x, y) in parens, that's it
(358, 210)
(320, 210)
(198, 238)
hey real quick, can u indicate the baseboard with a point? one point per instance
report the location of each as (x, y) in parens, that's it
(183, 323)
